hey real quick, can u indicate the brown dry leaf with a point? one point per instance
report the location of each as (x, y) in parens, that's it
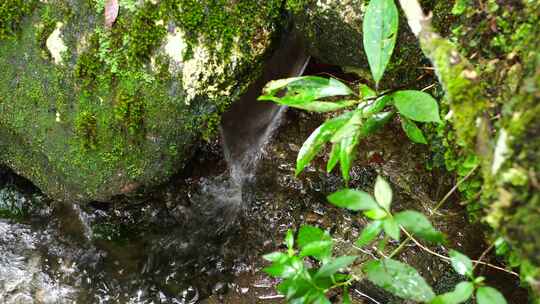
(111, 12)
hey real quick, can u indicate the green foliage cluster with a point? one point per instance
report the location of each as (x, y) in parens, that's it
(11, 14)
(304, 284)
(373, 108)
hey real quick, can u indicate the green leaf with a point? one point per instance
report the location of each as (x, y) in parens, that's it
(346, 296)
(489, 295)
(366, 92)
(286, 268)
(289, 239)
(419, 225)
(369, 233)
(391, 228)
(461, 263)
(347, 155)
(335, 265)
(375, 106)
(308, 234)
(374, 123)
(412, 131)
(334, 157)
(352, 199)
(349, 129)
(398, 278)
(376, 214)
(417, 106)
(461, 293)
(276, 257)
(324, 106)
(303, 90)
(317, 139)
(379, 31)
(320, 250)
(383, 193)
(295, 287)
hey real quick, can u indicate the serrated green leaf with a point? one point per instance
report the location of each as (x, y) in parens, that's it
(461, 293)
(317, 139)
(412, 131)
(376, 214)
(334, 157)
(489, 295)
(335, 265)
(416, 105)
(352, 199)
(379, 31)
(461, 263)
(399, 279)
(419, 225)
(391, 228)
(383, 193)
(369, 233)
(301, 91)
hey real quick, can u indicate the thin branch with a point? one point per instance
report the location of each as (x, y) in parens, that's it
(476, 262)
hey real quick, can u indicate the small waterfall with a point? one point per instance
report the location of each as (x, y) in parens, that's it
(246, 128)
(249, 124)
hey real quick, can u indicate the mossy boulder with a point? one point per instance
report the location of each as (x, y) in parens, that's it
(88, 111)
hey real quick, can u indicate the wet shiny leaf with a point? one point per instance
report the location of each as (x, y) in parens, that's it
(376, 214)
(461, 293)
(289, 239)
(489, 295)
(317, 139)
(352, 199)
(417, 106)
(320, 250)
(300, 91)
(334, 157)
(369, 233)
(419, 225)
(391, 228)
(383, 193)
(335, 265)
(412, 131)
(398, 278)
(461, 263)
(379, 31)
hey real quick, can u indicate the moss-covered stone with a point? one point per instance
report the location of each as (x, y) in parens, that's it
(88, 112)
(491, 74)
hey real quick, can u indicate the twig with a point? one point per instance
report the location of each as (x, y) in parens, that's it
(366, 296)
(441, 202)
(456, 186)
(483, 255)
(476, 262)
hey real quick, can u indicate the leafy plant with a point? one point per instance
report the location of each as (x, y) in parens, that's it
(302, 283)
(309, 270)
(368, 110)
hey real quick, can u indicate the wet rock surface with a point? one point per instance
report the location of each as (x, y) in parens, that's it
(199, 238)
